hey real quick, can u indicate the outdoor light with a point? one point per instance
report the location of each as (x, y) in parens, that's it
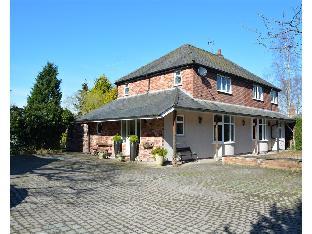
(200, 120)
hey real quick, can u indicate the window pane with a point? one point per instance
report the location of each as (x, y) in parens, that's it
(139, 129)
(218, 118)
(219, 132)
(223, 85)
(179, 118)
(226, 119)
(254, 132)
(260, 132)
(123, 128)
(177, 73)
(254, 121)
(260, 121)
(219, 83)
(232, 132)
(178, 80)
(226, 132)
(131, 127)
(180, 128)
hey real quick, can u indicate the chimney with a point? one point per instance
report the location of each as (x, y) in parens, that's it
(292, 111)
(219, 53)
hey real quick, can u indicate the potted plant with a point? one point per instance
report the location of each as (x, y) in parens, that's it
(117, 139)
(133, 146)
(102, 155)
(159, 153)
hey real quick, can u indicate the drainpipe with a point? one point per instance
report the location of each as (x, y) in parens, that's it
(217, 145)
(277, 139)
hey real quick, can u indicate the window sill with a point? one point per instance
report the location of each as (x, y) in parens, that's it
(176, 85)
(179, 135)
(259, 100)
(225, 92)
(224, 143)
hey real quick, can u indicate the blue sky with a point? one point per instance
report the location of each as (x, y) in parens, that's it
(87, 38)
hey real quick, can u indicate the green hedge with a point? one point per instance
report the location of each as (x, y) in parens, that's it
(298, 134)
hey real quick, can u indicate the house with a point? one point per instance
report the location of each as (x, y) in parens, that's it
(189, 98)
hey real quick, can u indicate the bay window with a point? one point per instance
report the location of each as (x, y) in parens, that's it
(259, 129)
(224, 127)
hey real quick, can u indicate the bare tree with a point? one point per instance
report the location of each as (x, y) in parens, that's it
(284, 39)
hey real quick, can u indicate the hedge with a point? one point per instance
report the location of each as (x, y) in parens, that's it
(298, 134)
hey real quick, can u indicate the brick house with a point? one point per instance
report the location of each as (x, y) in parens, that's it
(189, 98)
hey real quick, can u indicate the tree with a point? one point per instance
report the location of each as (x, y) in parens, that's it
(18, 139)
(86, 100)
(43, 112)
(283, 37)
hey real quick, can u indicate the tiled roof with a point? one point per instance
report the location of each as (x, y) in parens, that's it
(188, 55)
(156, 104)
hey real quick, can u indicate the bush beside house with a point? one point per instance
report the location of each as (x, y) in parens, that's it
(298, 134)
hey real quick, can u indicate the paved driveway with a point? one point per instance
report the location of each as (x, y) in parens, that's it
(81, 194)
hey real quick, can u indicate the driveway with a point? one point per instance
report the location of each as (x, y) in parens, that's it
(75, 193)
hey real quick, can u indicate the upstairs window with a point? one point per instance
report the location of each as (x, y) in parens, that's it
(257, 92)
(273, 97)
(177, 78)
(224, 84)
(126, 90)
(180, 125)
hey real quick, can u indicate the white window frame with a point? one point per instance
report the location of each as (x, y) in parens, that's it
(174, 78)
(232, 117)
(264, 125)
(274, 99)
(224, 79)
(257, 92)
(126, 132)
(97, 128)
(126, 88)
(180, 122)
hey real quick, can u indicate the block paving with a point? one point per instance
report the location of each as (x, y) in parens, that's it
(76, 193)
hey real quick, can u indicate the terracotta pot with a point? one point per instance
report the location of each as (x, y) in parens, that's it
(159, 160)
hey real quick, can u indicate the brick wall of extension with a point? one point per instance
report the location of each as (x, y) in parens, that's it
(203, 88)
(152, 131)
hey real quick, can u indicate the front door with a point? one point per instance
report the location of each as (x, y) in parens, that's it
(128, 128)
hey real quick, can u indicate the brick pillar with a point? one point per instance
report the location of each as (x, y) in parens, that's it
(86, 139)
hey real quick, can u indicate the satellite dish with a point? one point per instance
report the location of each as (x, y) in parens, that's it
(202, 71)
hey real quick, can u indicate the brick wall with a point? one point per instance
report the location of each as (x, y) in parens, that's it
(110, 129)
(161, 82)
(152, 130)
(206, 88)
(203, 88)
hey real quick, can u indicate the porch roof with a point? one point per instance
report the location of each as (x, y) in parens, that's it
(158, 104)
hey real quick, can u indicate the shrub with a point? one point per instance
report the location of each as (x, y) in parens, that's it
(133, 138)
(117, 138)
(160, 151)
(298, 134)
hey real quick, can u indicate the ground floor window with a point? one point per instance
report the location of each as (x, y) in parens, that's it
(180, 125)
(130, 127)
(99, 128)
(223, 128)
(259, 129)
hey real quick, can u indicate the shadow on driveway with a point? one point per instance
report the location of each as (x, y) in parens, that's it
(27, 163)
(17, 195)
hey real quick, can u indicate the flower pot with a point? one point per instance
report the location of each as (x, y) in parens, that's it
(117, 147)
(133, 150)
(159, 160)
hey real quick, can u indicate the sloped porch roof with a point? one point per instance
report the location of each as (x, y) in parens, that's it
(158, 104)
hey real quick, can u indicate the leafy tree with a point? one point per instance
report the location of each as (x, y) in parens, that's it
(17, 126)
(43, 111)
(102, 93)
